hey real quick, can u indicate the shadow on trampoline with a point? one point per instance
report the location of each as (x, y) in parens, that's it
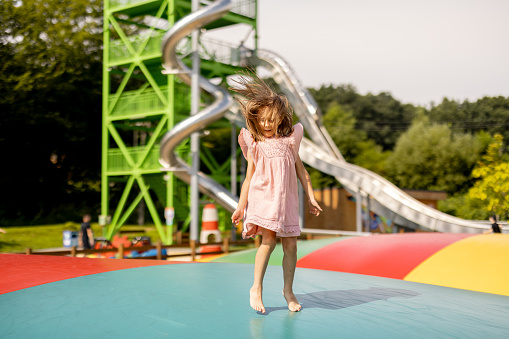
(338, 299)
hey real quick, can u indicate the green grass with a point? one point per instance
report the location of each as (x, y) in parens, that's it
(18, 239)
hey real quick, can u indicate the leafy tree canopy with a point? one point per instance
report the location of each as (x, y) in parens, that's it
(462, 206)
(49, 39)
(353, 144)
(492, 188)
(429, 156)
(490, 114)
(380, 116)
(51, 71)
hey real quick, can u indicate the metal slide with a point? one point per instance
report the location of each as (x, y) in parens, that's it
(385, 198)
(223, 101)
(321, 153)
(303, 103)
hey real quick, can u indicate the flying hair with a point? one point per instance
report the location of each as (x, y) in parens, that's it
(261, 101)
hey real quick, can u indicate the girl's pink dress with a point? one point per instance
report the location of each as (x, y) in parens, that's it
(272, 201)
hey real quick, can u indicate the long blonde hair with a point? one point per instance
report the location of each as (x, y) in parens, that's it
(261, 99)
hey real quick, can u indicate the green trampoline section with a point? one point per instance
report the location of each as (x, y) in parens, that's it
(211, 300)
(303, 248)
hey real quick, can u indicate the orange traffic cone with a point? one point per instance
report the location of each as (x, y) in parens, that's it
(210, 225)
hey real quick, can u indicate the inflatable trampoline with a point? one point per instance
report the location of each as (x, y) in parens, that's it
(466, 261)
(61, 297)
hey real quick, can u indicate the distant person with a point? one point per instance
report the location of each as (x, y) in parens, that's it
(495, 228)
(268, 200)
(86, 237)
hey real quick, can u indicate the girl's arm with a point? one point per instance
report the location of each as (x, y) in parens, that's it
(239, 212)
(305, 180)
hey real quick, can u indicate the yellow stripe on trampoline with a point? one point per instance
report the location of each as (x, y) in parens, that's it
(478, 263)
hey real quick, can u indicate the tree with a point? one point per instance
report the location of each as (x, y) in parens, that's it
(463, 206)
(340, 124)
(50, 39)
(490, 114)
(372, 157)
(352, 142)
(492, 188)
(51, 72)
(380, 116)
(429, 156)
(383, 118)
(326, 95)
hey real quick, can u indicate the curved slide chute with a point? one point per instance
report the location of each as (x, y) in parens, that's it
(322, 154)
(302, 101)
(387, 199)
(223, 101)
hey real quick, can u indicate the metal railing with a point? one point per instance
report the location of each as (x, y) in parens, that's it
(219, 51)
(209, 49)
(245, 8)
(213, 50)
(147, 101)
(114, 4)
(119, 52)
(118, 163)
(134, 102)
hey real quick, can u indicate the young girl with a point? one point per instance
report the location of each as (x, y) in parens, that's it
(269, 197)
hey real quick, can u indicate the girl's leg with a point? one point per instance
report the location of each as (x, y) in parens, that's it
(261, 262)
(289, 263)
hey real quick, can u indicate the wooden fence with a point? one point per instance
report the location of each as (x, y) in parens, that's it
(192, 245)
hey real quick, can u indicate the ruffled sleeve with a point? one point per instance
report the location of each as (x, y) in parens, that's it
(296, 137)
(245, 141)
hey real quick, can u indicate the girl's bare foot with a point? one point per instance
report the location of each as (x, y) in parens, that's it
(293, 303)
(255, 299)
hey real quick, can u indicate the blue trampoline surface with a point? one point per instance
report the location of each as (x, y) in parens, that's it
(211, 300)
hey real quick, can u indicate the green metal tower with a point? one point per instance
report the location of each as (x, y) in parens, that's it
(140, 104)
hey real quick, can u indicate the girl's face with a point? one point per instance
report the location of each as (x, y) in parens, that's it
(266, 125)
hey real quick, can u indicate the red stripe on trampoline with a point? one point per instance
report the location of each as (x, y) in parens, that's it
(387, 255)
(18, 271)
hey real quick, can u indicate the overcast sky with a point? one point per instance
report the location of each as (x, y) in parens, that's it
(419, 51)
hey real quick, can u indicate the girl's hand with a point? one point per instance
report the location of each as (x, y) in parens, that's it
(237, 216)
(314, 208)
